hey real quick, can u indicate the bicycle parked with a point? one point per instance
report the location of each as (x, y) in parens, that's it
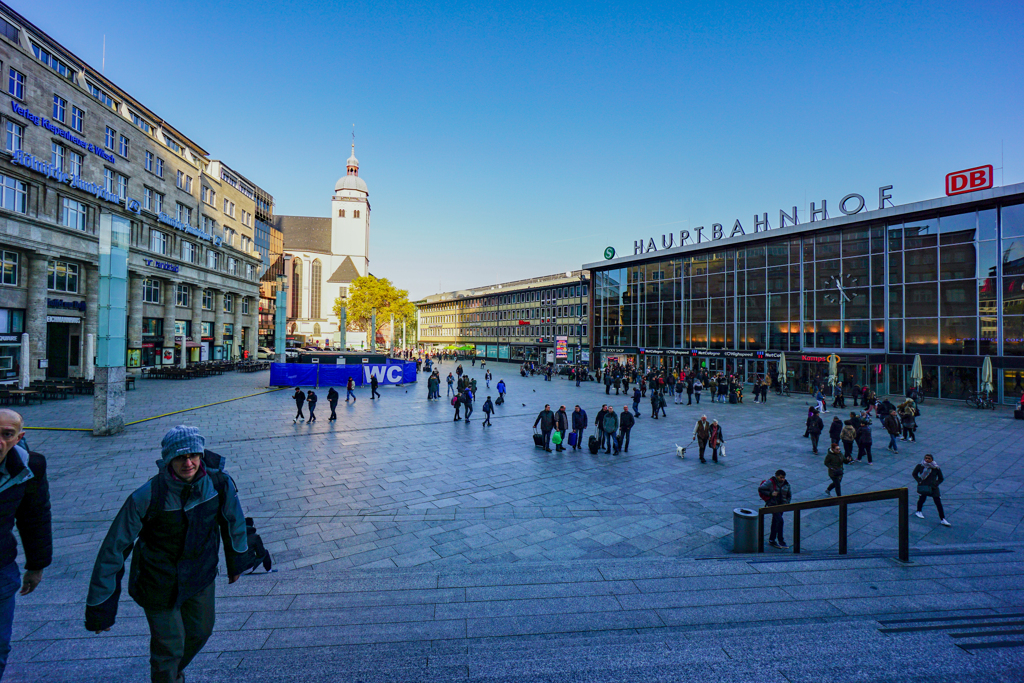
(980, 399)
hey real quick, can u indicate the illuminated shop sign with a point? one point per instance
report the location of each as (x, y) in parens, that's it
(849, 205)
(190, 229)
(44, 122)
(61, 303)
(160, 264)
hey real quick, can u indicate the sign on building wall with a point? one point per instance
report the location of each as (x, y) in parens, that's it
(561, 347)
(969, 180)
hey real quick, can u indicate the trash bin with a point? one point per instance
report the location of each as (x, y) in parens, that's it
(744, 530)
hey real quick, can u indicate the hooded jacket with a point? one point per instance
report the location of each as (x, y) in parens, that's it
(25, 501)
(176, 547)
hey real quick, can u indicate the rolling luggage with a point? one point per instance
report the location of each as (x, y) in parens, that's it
(538, 440)
(733, 398)
(1018, 413)
(593, 444)
(501, 399)
(573, 439)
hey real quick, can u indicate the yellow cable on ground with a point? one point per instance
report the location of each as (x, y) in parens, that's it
(157, 417)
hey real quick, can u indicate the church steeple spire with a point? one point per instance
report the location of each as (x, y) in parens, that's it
(353, 163)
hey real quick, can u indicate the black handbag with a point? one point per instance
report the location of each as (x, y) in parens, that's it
(924, 489)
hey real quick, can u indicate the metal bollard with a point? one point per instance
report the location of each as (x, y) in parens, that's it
(744, 530)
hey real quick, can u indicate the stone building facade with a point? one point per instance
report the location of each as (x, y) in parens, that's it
(76, 146)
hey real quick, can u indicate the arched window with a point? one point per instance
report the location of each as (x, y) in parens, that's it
(341, 213)
(314, 288)
(296, 288)
(355, 213)
(316, 329)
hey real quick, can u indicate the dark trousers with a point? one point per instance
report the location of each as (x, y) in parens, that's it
(938, 504)
(374, 392)
(487, 418)
(848, 447)
(624, 438)
(714, 453)
(609, 441)
(908, 433)
(177, 635)
(579, 438)
(776, 532)
(469, 411)
(836, 478)
(814, 442)
(312, 417)
(689, 399)
(607, 388)
(546, 433)
(702, 444)
(334, 408)
(298, 414)
(862, 450)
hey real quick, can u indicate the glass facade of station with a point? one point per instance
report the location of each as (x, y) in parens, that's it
(947, 286)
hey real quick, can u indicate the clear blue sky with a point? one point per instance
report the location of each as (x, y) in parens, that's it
(501, 142)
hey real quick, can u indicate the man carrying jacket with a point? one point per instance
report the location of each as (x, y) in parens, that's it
(175, 522)
(25, 501)
(546, 420)
(579, 424)
(609, 425)
(626, 422)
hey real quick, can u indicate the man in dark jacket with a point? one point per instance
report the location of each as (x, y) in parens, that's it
(546, 420)
(332, 401)
(776, 491)
(835, 429)
(701, 432)
(689, 390)
(597, 425)
(579, 424)
(561, 426)
(892, 426)
(607, 382)
(626, 422)
(814, 427)
(609, 425)
(488, 409)
(25, 501)
(864, 441)
(373, 387)
(467, 401)
(179, 517)
(300, 400)
(636, 401)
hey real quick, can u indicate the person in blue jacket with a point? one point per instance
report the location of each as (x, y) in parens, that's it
(579, 425)
(174, 524)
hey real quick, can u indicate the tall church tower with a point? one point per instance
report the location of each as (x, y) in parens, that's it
(350, 217)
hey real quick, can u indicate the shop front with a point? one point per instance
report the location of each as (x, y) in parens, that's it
(63, 346)
(12, 325)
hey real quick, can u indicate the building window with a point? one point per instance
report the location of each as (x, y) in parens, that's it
(250, 271)
(77, 118)
(147, 199)
(208, 223)
(341, 213)
(315, 277)
(108, 180)
(57, 156)
(207, 301)
(158, 241)
(14, 195)
(207, 195)
(9, 30)
(74, 163)
(229, 303)
(159, 167)
(181, 295)
(15, 136)
(149, 161)
(181, 179)
(122, 146)
(212, 259)
(158, 202)
(72, 214)
(108, 138)
(184, 213)
(60, 106)
(189, 251)
(122, 186)
(16, 84)
(141, 122)
(101, 96)
(245, 305)
(232, 266)
(188, 184)
(296, 288)
(355, 213)
(151, 291)
(172, 143)
(9, 268)
(62, 276)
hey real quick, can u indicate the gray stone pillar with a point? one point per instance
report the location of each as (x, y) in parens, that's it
(218, 318)
(26, 362)
(238, 325)
(254, 326)
(108, 402)
(90, 356)
(197, 316)
(135, 313)
(169, 314)
(92, 313)
(36, 323)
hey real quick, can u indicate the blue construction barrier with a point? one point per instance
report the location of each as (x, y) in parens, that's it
(324, 375)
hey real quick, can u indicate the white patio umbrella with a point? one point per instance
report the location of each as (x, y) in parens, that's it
(833, 370)
(986, 375)
(916, 372)
(782, 370)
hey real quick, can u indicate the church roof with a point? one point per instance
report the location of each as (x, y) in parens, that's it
(305, 233)
(346, 272)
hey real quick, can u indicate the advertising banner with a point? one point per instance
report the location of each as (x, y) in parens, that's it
(561, 348)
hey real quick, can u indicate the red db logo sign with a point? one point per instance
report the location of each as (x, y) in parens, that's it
(971, 180)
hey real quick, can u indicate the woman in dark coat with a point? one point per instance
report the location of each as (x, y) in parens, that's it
(835, 429)
(864, 441)
(929, 476)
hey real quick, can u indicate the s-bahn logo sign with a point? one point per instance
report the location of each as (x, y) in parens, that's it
(849, 205)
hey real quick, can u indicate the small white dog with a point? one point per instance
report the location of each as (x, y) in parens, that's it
(680, 451)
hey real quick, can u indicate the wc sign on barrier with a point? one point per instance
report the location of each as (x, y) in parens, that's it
(385, 374)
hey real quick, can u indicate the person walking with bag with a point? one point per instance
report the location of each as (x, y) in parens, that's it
(579, 425)
(834, 462)
(928, 477)
(467, 400)
(488, 409)
(908, 422)
(716, 439)
(373, 387)
(350, 390)
(300, 400)
(546, 420)
(561, 426)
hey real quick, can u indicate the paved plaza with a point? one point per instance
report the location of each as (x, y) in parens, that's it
(414, 548)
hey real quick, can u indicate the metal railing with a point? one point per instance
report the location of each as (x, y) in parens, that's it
(842, 502)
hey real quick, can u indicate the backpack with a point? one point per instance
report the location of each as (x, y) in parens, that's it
(256, 553)
(455, 400)
(763, 496)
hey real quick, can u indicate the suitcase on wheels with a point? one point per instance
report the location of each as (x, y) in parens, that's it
(573, 439)
(1018, 413)
(538, 440)
(593, 444)
(501, 399)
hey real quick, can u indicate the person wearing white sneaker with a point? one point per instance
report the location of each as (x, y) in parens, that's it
(929, 477)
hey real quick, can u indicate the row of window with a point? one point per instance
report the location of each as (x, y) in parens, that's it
(533, 331)
(548, 296)
(151, 294)
(341, 213)
(518, 314)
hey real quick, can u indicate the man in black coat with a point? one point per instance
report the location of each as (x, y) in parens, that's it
(25, 501)
(332, 400)
(546, 420)
(561, 426)
(626, 422)
(814, 427)
(835, 429)
(579, 424)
